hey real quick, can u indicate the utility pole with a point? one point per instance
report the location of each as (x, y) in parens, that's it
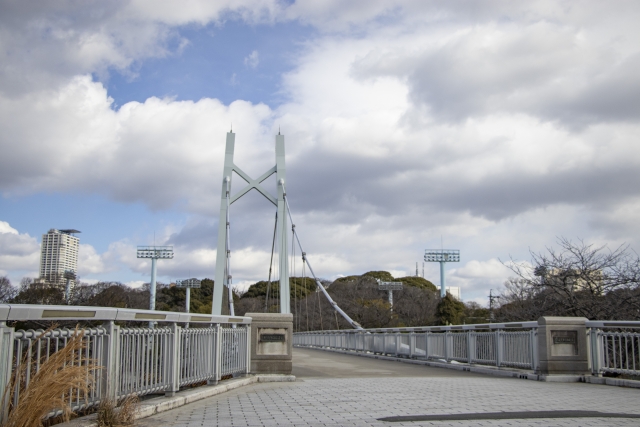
(491, 298)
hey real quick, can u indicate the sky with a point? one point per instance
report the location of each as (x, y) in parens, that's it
(491, 127)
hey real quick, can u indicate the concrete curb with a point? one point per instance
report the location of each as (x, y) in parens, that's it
(499, 372)
(157, 405)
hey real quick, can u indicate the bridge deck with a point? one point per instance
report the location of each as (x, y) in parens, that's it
(342, 390)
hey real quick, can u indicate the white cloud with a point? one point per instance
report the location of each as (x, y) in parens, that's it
(19, 254)
(252, 60)
(499, 128)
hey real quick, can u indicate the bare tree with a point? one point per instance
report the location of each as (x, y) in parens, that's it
(7, 290)
(577, 279)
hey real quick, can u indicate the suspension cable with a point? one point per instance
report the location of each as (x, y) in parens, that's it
(352, 322)
(273, 245)
(295, 283)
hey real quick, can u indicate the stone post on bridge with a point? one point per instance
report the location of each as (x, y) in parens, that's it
(271, 343)
(562, 346)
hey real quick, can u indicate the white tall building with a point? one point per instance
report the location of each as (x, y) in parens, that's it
(59, 254)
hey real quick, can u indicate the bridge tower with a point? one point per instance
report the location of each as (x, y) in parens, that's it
(224, 252)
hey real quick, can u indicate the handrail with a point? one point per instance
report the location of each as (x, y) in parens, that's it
(612, 324)
(10, 312)
(491, 326)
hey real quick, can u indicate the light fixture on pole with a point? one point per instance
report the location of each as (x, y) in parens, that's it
(442, 256)
(188, 284)
(389, 287)
(154, 253)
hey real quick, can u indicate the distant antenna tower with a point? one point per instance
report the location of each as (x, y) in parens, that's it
(442, 256)
(417, 270)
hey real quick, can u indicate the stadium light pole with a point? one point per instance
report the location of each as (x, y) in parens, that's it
(188, 284)
(389, 287)
(154, 253)
(442, 256)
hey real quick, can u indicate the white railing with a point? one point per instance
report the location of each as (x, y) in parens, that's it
(134, 360)
(498, 344)
(615, 347)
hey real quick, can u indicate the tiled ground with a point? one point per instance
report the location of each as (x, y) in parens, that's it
(359, 401)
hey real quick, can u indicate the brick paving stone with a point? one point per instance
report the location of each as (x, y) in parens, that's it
(361, 401)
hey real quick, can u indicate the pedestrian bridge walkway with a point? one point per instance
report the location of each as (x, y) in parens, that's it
(344, 390)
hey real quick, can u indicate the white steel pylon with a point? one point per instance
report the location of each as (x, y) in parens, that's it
(222, 273)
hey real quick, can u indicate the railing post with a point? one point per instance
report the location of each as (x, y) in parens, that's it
(173, 361)
(398, 343)
(110, 359)
(595, 341)
(6, 365)
(215, 355)
(426, 345)
(412, 344)
(499, 348)
(535, 365)
(248, 333)
(470, 347)
(447, 353)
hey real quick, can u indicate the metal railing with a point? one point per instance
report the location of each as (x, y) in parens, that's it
(497, 344)
(134, 360)
(615, 347)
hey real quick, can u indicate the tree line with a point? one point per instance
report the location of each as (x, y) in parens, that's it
(417, 304)
(573, 279)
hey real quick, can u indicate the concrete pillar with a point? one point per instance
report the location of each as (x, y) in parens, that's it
(271, 343)
(562, 346)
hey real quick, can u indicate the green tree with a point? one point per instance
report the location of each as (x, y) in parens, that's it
(449, 311)
(418, 282)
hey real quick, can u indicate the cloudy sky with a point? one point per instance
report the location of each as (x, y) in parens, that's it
(489, 127)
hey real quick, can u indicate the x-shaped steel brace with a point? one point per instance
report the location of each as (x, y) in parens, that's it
(254, 183)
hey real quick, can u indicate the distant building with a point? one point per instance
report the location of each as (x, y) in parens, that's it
(573, 280)
(455, 292)
(59, 254)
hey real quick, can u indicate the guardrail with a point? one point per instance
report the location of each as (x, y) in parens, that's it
(134, 360)
(613, 346)
(497, 344)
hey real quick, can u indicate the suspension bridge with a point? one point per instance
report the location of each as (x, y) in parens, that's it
(280, 233)
(195, 369)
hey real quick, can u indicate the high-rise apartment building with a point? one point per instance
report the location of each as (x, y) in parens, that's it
(59, 254)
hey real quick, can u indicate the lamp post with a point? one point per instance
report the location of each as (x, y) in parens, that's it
(442, 256)
(154, 253)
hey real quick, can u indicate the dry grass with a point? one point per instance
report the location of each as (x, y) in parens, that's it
(63, 374)
(110, 415)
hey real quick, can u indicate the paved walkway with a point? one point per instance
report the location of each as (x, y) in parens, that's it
(342, 390)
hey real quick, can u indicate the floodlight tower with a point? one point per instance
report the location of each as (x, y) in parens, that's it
(389, 287)
(442, 256)
(188, 284)
(155, 253)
